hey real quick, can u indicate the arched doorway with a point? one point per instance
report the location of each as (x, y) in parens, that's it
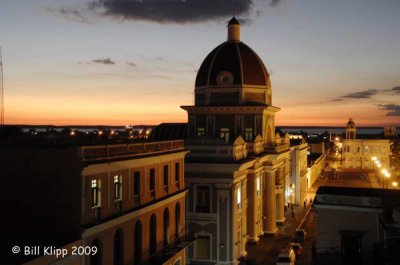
(166, 226)
(97, 258)
(177, 219)
(119, 247)
(138, 243)
(153, 234)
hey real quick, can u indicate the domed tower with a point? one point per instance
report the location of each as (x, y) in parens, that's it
(232, 74)
(351, 129)
(232, 94)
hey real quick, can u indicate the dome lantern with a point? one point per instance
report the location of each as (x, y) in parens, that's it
(233, 30)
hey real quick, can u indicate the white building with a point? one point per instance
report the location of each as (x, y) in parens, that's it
(358, 153)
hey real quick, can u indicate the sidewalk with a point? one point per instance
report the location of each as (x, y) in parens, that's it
(268, 248)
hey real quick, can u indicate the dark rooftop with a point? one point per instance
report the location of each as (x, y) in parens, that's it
(390, 197)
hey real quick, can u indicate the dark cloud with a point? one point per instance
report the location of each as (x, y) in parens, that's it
(104, 61)
(172, 11)
(71, 14)
(131, 64)
(396, 90)
(275, 3)
(369, 93)
(362, 94)
(393, 109)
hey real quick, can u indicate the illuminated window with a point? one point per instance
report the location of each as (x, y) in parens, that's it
(239, 198)
(201, 132)
(224, 134)
(117, 187)
(248, 136)
(258, 184)
(203, 243)
(95, 193)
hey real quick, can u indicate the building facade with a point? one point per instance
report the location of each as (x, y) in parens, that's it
(237, 170)
(127, 201)
(369, 227)
(298, 183)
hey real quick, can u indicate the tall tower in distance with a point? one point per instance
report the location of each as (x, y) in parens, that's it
(351, 129)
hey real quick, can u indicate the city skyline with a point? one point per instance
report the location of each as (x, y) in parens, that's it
(89, 63)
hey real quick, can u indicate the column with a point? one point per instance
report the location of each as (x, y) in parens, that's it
(280, 207)
(225, 219)
(269, 204)
(251, 210)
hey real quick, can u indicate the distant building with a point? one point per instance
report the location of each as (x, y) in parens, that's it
(127, 200)
(298, 183)
(316, 164)
(317, 148)
(351, 130)
(390, 131)
(357, 226)
(238, 169)
(358, 153)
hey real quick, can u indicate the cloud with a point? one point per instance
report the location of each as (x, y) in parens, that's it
(393, 109)
(396, 90)
(131, 64)
(72, 14)
(275, 3)
(172, 11)
(104, 61)
(369, 93)
(362, 94)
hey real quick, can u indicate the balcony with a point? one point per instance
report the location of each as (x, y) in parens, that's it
(255, 147)
(216, 149)
(280, 148)
(96, 214)
(117, 206)
(118, 150)
(183, 240)
(136, 200)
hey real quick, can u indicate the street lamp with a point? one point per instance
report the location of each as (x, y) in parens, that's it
(395, 184)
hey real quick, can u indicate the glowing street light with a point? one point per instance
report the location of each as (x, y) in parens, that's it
(374, 158)
(337, 139)
(395, 184)
(384, 171)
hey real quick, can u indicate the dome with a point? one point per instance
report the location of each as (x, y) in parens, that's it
(236, 62)
(232, 74)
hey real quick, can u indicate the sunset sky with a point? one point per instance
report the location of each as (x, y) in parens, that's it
(119, 62)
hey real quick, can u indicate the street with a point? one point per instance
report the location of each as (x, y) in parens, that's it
(268, 248)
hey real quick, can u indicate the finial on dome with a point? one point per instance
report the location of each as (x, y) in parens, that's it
(233, 30)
